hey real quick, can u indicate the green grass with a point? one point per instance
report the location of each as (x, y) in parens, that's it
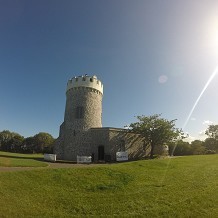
(21, 160)
(179, 187)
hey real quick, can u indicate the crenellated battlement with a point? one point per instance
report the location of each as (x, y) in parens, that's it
(85, 81)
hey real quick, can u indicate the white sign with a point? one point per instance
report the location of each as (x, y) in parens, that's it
(84, 159)
(122, 156)
(50, 157)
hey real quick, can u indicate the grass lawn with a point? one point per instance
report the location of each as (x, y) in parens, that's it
(21, 160)
(178, 187)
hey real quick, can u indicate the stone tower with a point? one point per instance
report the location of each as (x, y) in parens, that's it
(82, 134)
(84, 103)
(83, 111)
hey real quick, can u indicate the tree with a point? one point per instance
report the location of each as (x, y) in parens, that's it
(5, 137)
(39, 143)
(43, 142)
(155, 130)
(16, 143)
(10, 141)
(180, 148)
(29, 145)
(212, 131)
(211, 145)
(197, 147)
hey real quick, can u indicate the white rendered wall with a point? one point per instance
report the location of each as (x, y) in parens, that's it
(85, 81)
(50, 157)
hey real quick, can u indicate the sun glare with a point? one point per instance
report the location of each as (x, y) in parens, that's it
(199, 97)
(212, 33)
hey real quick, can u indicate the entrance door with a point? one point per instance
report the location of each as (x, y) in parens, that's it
(101, 152)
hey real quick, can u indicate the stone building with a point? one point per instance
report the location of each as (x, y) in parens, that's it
(82, 133)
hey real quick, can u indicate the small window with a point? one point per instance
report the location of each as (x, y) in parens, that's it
(144, 146)
(122, 145)
(79, 113)
(84, 78)
(91, 79)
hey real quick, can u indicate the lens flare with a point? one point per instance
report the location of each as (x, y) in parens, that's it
(186, 122)
(199, 97)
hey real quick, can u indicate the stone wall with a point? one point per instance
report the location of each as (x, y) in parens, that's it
(122, 140)
(115, 140)
(86, 143)
(88, 98)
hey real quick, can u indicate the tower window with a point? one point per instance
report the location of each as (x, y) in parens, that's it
(79, 113)
(91, 79)
(122, 145)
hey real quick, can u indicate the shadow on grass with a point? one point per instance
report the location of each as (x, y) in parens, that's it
(35, 158)
(19, 157)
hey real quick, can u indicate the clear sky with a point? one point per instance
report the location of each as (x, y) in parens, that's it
(153, 56)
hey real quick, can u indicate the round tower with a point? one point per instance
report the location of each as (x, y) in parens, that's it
(84, 103)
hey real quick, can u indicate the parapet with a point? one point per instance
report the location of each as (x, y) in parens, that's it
(85, 81)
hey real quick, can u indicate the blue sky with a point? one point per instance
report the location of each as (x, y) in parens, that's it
(153, 56)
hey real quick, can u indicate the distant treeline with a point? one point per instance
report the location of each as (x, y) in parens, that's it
(208, 146)
(180, 148)
(14, 142)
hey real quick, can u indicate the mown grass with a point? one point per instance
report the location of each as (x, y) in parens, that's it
(21, 160)
(179, 187)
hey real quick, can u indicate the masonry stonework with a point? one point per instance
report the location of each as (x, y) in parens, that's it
(91, 101)
(82, 134)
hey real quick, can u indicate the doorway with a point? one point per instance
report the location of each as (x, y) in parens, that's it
(101, 152)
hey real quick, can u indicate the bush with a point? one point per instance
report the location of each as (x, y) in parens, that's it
(210, 152)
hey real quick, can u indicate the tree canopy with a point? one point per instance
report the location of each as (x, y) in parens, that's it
(212, 132)
(179, 148)
(211, 143)
(43, 141)
(155, 130)
(14, 142)
(10, 141)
